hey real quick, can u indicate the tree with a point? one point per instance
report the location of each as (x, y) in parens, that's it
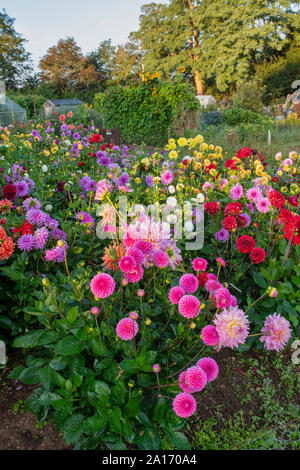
(65, 66)
(238, 35)
(222, 40)
(170, 37)
(102, 58)
(115, 63)
(15, 62)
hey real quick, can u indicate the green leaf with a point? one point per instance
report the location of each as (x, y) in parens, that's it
(259, 280)
(102, 390)
(148, 439)
(94, 423)
(129, 366)
(72, 314)
(115, 421)
(160, 409)
(30, 340)
(73, 428)
(132, 408)
(99, 347)
(179, 439)
(69, 346)
(58, 363)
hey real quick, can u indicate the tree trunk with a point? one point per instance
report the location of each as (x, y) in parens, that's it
(199, 83)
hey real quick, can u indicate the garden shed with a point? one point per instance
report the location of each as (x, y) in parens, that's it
(61, 106)
(10, 112)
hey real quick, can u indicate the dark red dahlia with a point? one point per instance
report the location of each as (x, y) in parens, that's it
(233, 208)
(60, 186)
(9, 191)
(245, 244)
(212, 207)
(285, 216)
(202, 278)
(293, 200)
(257, 255)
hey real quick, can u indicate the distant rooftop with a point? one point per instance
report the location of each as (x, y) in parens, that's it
(66, 102)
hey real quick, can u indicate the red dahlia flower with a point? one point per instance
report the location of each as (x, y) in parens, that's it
(229, 223)
(233, 208)
(245, 244)
(202, 278)
(293, 200)
(292, 229)
(212, 207)
(276, 199)
(9, 191)
(257, 255)
(285, 216)
(244, 152)
(230, 164)
(24, 229)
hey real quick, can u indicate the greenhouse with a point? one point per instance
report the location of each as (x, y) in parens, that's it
(10, 112)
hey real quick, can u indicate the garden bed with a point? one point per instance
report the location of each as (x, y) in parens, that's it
(252, 405)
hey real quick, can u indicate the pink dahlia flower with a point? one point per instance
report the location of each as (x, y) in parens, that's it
(136, 275)
(161, 259)
(137, 254)
(276, 331)
(127, 264)
(102, 285)
(189, 306)
(209, 335)
(195, 378)
(184, 405)
(222, 298)
(210, 368)
(232, 327)
(175, 294)
(182, 383)
(127, 329)
(199, 264)
(189, 283)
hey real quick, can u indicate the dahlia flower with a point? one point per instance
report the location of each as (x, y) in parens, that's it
(210, 367)
(102, 285)
(184, 405)
(127, 329)
(276, 331)
(232, 327)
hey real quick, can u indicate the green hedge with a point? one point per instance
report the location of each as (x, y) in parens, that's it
(145, 111)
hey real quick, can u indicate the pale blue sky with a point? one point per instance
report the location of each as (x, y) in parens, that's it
(42, 22)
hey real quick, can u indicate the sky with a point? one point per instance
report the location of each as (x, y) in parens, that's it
(43, 23)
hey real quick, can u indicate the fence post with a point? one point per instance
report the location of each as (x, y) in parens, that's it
(269, 137)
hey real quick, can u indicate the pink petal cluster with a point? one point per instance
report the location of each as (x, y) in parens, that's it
(189, 306)
(199, 264)
(175, 294)
(210, 367)
(189, 283)
(209, 335)
(102, 285)
(195, 378)
(184, 405)
(232, 327)
(127, 328)
(127, 264)
(161, 259)
(276, 331)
